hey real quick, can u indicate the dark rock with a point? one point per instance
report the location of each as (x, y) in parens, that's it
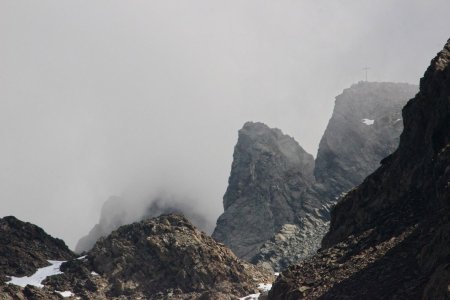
(25, 247)
(160, 258)
(390, 236)
(167, 253)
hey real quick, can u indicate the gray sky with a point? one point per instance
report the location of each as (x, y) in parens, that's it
(99, 97)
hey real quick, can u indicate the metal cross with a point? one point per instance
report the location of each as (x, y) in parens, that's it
(366, 69)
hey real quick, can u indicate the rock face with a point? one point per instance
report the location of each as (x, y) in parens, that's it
(116, 211)
(389, 238)
(270, 176)
(291, 244)
(365, 128)
(159, 258)
(25, 247)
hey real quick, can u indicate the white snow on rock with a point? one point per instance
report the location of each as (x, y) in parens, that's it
(40, 275)
(251, 297)
(66, 294)
(82, 257)
(94, 273)
(264, 287)
(368, 121)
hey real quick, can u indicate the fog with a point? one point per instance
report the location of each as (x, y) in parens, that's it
(101, 98)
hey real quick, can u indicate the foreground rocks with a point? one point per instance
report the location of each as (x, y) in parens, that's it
(169, 255)
(25, 247)
(390, 237)
(160, 258)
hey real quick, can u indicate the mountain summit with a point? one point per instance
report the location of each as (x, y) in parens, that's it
(278, 199)
(269, 177)
(389, 238)
(364, 128)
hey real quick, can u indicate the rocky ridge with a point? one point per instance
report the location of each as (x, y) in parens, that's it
(364, 128)
(389, 238)
(159, 258)
(270, 177)
(25, 247)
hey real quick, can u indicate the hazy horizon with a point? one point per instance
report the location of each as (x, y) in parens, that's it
(102, 98)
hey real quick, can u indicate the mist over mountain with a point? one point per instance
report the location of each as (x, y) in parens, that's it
(98, 95)
(116, 211)
(224, 150)
(364, 128)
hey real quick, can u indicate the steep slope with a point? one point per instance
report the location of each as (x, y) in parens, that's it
(364, 128)
(390, 237)
(116, 211)
(25, 247)
(351, 147)
(269, 177)
(159, 258)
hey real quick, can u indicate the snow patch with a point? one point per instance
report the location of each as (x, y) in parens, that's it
(264, 287)
(94, 273)
(81, 257)
(368, 121)
(40, 275)
(251, 297)
(66, 294)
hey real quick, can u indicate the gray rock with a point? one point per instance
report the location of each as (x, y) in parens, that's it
(364, 128)
(352, 146)
(269, 177)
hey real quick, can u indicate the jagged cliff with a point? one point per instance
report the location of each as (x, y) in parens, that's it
(364, 128)
(390, 237)
(270, 177)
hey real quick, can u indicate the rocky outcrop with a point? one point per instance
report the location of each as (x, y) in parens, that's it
(389, 238)
(160, 258)
(116, 211)
(270, 177)
(364, 128)
(25, 247)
